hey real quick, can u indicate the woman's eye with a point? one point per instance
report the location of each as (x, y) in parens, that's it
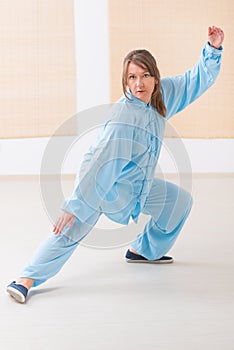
(146, 75)
(131, 76)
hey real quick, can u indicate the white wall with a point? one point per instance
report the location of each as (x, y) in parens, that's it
(23, 156)
(92, 53)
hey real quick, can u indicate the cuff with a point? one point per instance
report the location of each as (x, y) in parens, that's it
(213, 50)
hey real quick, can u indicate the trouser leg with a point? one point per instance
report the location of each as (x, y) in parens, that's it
(56, 250)
(169, 206)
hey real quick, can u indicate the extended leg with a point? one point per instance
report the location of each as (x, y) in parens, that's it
(55, 251)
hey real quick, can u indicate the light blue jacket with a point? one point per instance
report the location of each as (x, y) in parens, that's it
(116, 172)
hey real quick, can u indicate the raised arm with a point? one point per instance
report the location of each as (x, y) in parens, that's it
(180, 91)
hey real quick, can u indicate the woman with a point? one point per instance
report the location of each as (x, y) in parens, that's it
(117, 172)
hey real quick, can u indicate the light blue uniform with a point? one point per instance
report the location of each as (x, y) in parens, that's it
(116, 176)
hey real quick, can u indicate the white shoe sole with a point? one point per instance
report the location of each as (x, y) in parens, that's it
(151, 261)
(16, 294)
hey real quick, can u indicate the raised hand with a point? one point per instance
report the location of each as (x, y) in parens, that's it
(215, 36)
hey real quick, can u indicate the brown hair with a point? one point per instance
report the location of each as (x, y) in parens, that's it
(144, 59)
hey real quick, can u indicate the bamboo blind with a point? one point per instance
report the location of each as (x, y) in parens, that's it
(37, 66)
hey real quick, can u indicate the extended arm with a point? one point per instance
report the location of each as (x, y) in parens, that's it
(180, 91)
(100, 169)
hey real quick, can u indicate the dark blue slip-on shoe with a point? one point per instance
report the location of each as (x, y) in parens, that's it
(135, 258)
(17, 291)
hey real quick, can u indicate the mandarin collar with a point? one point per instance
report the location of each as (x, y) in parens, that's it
(136, 100)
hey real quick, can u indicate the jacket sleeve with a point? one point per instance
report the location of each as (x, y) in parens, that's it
(100, 168)
(179, 91)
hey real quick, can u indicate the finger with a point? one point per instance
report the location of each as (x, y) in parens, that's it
(55, 229)
(71, 222)
(58, 225)
(214, 30)
(220, 31)
(61, 225)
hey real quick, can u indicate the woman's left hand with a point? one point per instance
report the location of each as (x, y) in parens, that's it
(215, 36)
(63, 220)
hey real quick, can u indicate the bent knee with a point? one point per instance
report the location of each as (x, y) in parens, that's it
(179, 195)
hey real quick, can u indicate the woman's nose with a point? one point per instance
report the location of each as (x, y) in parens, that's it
(139, 82)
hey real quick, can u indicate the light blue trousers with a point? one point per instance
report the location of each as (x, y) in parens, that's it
(167, 204)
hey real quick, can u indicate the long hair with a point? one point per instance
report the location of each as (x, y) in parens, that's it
(144, 59)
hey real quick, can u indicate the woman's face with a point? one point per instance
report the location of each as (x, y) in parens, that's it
(140, 82)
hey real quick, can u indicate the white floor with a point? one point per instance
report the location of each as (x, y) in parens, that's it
(98, 301)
